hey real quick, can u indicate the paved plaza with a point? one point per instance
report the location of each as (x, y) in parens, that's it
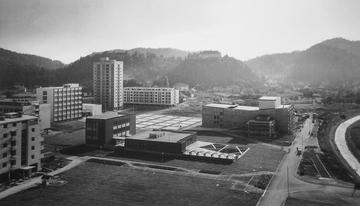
(156, 121)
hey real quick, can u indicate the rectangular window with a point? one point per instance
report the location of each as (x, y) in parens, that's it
(32, 147)
(4, 155)
(14, 124)
(4, 164)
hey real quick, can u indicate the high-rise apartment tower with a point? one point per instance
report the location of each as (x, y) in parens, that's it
(108, 83)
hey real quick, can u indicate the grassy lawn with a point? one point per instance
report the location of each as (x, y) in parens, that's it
(66, 138)
(299, 202)
(68, 125)
(259, 158)
(94, 184)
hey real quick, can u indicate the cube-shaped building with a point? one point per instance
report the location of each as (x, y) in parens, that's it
(102, 130)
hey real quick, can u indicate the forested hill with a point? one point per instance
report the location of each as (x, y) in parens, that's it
(333, 60)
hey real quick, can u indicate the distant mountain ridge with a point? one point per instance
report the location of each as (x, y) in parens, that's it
(8, 57)
(333, 60)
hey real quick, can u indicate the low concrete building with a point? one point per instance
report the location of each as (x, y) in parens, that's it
(235, 116)
(159, 142)
(21, 145)
(105, 129)
(92, 109)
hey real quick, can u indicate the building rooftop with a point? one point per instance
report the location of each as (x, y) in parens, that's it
(106, 115)
(163, 136)
(269, 98)
(232, 106)
(17, 119)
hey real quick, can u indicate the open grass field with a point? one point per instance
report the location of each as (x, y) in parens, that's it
(258, 158)
(95, 184)
(299, 202)
(66, 138)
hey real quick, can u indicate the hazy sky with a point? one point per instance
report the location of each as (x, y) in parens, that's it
(69, 29)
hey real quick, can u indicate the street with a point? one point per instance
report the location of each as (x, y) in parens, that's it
(285, 183)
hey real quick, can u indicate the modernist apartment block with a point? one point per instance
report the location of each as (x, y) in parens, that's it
(109, 128)
(34, 108)
(108, 84)
(151, 95)
(21, 145)
(235, 116)
(65, 101)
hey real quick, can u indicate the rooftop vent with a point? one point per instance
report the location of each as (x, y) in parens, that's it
(156, 135)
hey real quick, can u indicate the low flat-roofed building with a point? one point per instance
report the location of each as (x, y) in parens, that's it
(21, 145)
(235, 116)
(92, 109)
(159, 142)
(103, 130)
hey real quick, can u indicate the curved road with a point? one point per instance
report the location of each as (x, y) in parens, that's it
(343, 147)
(285, 183)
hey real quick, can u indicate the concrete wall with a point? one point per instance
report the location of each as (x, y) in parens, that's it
(44, 116)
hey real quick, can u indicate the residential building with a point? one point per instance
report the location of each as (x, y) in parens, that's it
(21, 145)
(109, 128)
(151, 96)
(108, 84)
(235, 116)
(65, 101)
(43, 111)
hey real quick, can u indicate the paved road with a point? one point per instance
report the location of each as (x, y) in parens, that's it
(281, 186)
(342, 146)
(278, 191)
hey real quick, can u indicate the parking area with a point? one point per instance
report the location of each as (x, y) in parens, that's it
(158, 121)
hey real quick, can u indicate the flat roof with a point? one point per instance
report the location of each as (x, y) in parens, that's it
(17, 119)
(106, 115)
(272, 98)
(232, 106)
(172, 137)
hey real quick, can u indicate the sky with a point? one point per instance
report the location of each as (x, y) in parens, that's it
(69, 29)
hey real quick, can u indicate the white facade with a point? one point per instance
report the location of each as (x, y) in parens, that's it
(21, 144)
(151, 95)
(267, 102)
(108, 83)
(93, 109)
(65, 101)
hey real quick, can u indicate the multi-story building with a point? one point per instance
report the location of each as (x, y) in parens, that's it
(34, 108)
(108, 84)
(261, 126)
(109, 128)
(151, 96)
(21, 145)
(235, 116)
(65, 101)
